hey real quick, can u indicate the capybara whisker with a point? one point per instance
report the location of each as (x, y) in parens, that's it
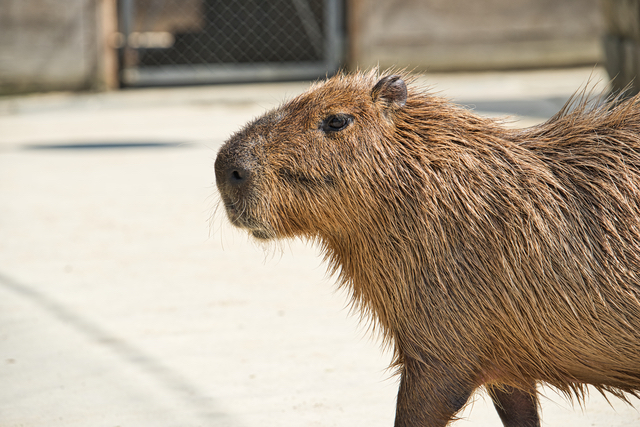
(485, 256)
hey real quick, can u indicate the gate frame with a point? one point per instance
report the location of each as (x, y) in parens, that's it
(332, 44)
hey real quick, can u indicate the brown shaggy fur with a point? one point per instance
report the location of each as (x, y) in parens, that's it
(487, 256)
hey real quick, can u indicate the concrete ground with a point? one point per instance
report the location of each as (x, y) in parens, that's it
(126, 300)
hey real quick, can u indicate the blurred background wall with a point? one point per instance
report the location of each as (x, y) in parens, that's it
(99, 44)
(56, 45)
(448, 35)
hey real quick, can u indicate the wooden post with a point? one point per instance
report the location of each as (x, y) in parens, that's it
(107, 58)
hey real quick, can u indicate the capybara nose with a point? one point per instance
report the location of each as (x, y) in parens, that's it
(231, 173)
(237, 176)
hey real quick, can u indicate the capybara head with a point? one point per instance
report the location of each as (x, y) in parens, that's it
(486, 255)
(295, 171)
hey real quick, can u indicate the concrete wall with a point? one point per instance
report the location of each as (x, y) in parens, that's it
(474, 35)
(53, 45)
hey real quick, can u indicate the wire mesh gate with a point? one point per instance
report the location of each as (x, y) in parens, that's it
(207, 41)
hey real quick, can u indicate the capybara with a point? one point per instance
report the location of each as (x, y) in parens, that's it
(487, 256)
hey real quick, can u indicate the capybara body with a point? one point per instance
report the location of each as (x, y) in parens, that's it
(485, 255)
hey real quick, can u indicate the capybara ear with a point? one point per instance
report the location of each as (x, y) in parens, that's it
(391, 90)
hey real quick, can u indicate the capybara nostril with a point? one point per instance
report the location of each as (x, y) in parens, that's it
(237, 176)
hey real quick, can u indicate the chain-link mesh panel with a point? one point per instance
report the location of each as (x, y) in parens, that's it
(205, 38)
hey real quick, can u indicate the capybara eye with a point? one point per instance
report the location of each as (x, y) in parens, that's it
(336, 122)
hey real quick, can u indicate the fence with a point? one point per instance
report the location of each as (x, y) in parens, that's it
(207, 41)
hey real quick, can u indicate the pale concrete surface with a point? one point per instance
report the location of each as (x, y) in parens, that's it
(123, 304)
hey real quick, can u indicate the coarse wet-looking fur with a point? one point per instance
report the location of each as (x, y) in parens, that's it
(486, 256)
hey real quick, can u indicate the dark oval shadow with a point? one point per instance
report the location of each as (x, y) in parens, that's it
(105, 145)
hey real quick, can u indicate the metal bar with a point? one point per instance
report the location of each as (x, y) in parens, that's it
(199, 74)
(334, 37)
(128, 56)
(127, 17)
(310, 25)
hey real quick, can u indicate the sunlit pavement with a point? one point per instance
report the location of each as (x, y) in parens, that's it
(127, 300)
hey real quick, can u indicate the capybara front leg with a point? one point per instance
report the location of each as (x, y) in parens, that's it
(517, 408)
(429, 396)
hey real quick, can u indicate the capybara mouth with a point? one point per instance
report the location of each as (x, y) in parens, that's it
(241, 219)
(262, 234)
(237, 217)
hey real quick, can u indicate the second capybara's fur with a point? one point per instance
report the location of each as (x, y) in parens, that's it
(485, 255)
